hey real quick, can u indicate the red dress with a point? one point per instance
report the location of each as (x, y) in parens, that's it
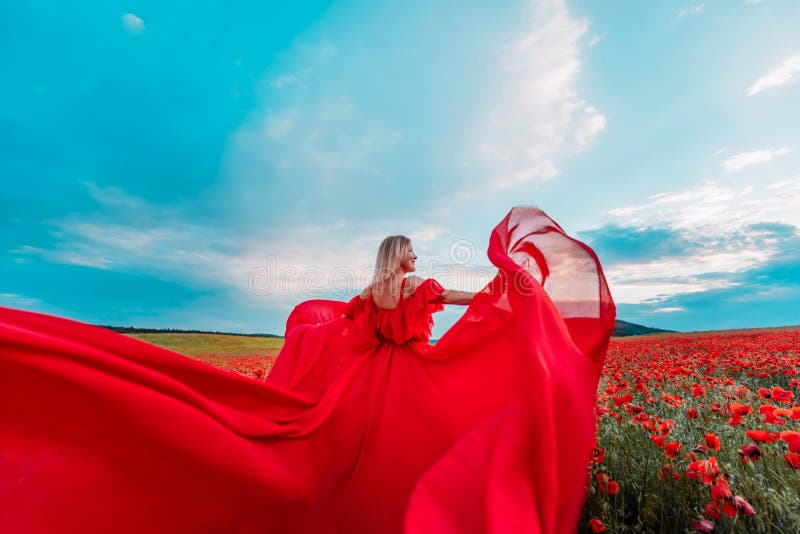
(362, 425)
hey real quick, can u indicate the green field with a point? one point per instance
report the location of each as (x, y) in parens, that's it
(248, 355)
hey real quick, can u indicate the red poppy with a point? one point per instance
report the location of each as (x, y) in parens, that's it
(721, 490)
(598, 454)
(691, 413)
(760, 435)
(729, 509)
(671, 448)
(597, 525)
(658, 439)
(740, 409)
(698, 390)
(712, 510)
(749, 453)
(712, 441)
(624, 399)
(606, 485)
(792, 460)
(779, 394)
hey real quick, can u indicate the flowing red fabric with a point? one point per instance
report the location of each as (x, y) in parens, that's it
(362, 425)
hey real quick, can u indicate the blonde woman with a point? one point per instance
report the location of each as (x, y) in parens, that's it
(394, 261)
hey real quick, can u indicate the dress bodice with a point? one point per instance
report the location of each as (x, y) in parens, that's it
(410, 321)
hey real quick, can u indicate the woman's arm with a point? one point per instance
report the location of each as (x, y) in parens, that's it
(451, 296)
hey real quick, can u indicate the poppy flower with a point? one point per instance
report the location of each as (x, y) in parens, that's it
(703, 525)
(658, 440)
(749, 453)
(712, 441)
(712, 510)
(671, 448)
(721, 490)
(598, 454)
(729, 509)
(597, 525)
(691, 413)
(740, 409)
(778, 394)
(792, 460)
(760, 435)
(606, 485)
(743, 506)
(624, 399)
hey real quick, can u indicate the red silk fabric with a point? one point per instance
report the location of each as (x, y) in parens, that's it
(362, 425)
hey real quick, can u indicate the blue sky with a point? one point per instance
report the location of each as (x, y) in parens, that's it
(206, 166)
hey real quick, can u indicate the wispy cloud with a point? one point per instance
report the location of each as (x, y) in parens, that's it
(742, 160)
(13, 300)
(669, 310)
(696, 8)
(537, 114)
(787, 72)
(132, 23)
(596, 38)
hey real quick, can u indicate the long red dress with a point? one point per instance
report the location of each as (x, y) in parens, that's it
(362, 425)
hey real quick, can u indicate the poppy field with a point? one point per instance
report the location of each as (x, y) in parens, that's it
(696, 432)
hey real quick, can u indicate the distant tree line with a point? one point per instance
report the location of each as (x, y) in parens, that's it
(134, 330)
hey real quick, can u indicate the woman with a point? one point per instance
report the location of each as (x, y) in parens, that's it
(362, 426)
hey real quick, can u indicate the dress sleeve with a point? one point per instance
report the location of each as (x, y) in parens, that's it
(432, 291)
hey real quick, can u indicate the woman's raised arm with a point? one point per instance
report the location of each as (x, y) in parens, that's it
(452, 296)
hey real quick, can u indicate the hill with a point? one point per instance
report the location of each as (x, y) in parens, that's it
(624, 328)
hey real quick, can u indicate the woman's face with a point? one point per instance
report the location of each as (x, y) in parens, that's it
(408, 260)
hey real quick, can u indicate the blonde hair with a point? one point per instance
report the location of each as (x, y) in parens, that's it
(390, 256)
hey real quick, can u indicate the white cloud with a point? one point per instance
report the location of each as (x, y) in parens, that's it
(669, 310)
(537, 115)
(132, 23)
(690, 10)
(596, 38)
(12, 300)
(787, 72)
(739, 161)
(713, 221)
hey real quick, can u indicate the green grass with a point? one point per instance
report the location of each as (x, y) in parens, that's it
(214, 344)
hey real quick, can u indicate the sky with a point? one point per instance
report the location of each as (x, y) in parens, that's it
(209, 166)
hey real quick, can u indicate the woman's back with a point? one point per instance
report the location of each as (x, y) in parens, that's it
(386, 294)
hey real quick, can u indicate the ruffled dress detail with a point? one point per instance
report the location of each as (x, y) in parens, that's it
(411, 321)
